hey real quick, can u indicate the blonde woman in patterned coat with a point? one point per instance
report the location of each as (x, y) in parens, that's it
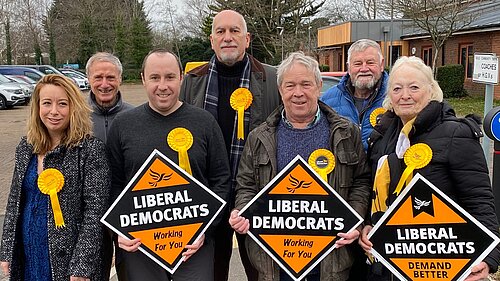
(58, 137)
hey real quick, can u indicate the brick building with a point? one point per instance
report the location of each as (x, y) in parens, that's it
(482, 36)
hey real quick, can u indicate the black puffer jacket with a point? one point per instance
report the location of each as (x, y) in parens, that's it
(458, 166)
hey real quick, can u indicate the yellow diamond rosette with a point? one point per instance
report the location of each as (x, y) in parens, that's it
(416, 156)
(50, 182)
(180, 140)
(376, 113)
(240, 100)
(322, 161)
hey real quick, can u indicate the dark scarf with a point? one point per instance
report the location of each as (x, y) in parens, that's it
(210, 104)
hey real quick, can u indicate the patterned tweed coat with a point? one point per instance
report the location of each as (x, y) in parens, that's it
(76, 248)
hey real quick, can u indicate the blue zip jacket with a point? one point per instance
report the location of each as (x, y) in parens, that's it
(339, 98)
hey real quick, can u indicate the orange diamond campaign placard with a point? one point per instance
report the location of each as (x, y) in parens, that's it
(166, 208)
(425, 235)
(296, 218)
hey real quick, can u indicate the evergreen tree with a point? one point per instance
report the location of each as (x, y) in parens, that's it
(38, 52)
(8, 48)
(140, 35)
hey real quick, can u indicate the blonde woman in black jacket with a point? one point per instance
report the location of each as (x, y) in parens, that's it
(43, 240)
(417, 114)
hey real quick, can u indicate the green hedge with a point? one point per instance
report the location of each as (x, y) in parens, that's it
(324, 68)
(451, 80)
(131, 74)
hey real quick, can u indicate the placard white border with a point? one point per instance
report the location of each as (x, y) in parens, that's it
(129, 186)
(402, 195)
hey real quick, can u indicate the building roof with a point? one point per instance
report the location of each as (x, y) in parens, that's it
(485, 13)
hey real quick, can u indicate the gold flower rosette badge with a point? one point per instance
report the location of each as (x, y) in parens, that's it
(322, 161)
(416, 156)
(240, 100)
(375, 114)
(180, 140)
(50, 182)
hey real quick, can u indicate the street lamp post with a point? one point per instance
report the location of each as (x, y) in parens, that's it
(309, 39)
(281, 29)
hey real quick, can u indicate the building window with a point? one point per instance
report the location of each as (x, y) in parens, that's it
(427, 55)
(340, 61)
(467, 59)
(327, 61)
(396, 53)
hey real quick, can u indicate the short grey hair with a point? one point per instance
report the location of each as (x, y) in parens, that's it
(106, 57)
(361, 45)
(419, 65)
(299, 57)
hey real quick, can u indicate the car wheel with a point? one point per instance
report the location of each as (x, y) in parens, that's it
(3, 102)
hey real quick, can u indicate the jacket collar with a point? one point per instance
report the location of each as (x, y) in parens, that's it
(97, 108)
(255, 66)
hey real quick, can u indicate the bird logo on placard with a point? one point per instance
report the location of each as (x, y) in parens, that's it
(296, 184)
(420, 203)
(157, 177)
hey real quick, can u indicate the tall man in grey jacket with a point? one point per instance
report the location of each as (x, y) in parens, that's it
(104, 71)
(210, 87)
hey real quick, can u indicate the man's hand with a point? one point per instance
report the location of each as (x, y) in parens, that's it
(348, 238)
(238, 223)
(129, 245)
(478, 272)
(193, 248)
(363, 240)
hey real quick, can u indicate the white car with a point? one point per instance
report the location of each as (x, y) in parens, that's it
(10, 95)
(79, 77)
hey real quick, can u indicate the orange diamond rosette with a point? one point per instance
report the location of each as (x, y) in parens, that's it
(50, 182)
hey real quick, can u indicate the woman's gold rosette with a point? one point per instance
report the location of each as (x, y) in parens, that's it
(50, 182)
(376, 113)
(240, 100)
(180, 140)
(322, 161)
(416, 156)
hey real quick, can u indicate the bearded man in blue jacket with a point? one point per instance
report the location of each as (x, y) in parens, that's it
(363, 88)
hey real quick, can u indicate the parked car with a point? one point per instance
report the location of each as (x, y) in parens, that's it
(80, 78)
(18, 70)
(10, 93)
(46, 69)
(329, 82)
(27, 87)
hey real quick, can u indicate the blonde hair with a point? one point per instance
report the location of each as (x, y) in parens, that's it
(419, 65)
(80, 124)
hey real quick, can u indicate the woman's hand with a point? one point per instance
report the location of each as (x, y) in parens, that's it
(5, 268)
(76, 278)
(363, 240)
(193, 248)
(348, 238)
(129, 245)
(478, 272)
(239, 223)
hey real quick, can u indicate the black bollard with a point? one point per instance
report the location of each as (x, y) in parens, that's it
(491, 127)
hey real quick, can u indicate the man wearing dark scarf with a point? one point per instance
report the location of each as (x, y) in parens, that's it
(210, 87)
